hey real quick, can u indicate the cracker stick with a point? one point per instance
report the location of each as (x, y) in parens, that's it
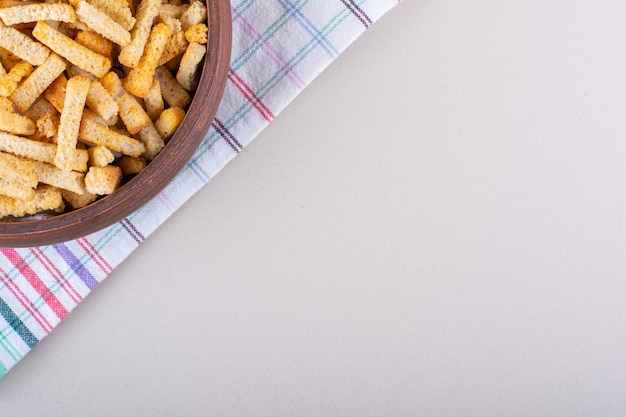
(151, 140)
(55, 93)
(45, 130)
(173, 64)
(67, 180)
(14, 167)
(101, 23)
(6, 104)
(18, 177)
(8, 59)
(16, 189)
(69, 29)
(176, 45)
(132, 166)
(131, 111)
(112, 83)
(16, 123)
(139, 80)
(100, 156)
(98, 134)
(46, 198)
(154, 101)
(71, 50)
(146, 13)
(41, 108)
(19, 180)
(172, 22)
(39, 151)
(74, 71)
(169, 121)
(118, 10)
(10, 3)
(101, 102)
(197, 33)
(78, 200)
(103, 180)
(173, 10)
(75, 96)
(31, 88)
(47, 127)
(59, 12)
(22, 46)
(8, 83)
(187, 75)
(94, 41)
(196, 13)
(173, 94)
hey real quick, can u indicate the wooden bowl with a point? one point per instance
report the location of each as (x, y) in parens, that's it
(161, 171)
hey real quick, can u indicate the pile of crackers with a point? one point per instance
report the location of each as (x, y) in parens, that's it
(90, 92)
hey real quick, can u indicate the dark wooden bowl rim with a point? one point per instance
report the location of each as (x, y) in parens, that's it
(161, 171)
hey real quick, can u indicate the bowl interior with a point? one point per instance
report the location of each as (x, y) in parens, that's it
(160, 171)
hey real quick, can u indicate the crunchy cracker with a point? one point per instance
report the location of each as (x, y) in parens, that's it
(22, 46)
(187, 75)
(41, 108)
(46, 198)
(24, 13)
(16, 189)
(77, 201)
(16, 123)
(67, 137)
(9, 83)
(154, 101)
(169, 121)
(175, 46)
(71, 50)
(132, 166)
(151, 139)
(55, 93)
(172, 10)
(6, 104)
(198, 33)
(101, 102)
(97, 134)
(39, 151)
(74, 71)
(173, 93)
(196, 13)
(100, 156)
(170, 21)
(94, 41)
(131, 111)
(101, 23)
(68, 180)
(146, 13)
(47, 127)
(31, 88)
(18, 177)
(139, 79)
(118, 10)
(103, 180)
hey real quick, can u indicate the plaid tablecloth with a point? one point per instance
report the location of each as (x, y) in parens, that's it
(279, 47)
